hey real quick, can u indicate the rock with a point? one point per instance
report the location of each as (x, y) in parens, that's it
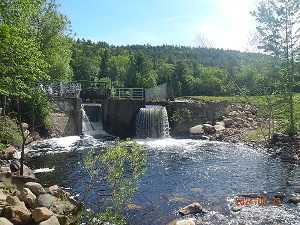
(41, 214)
(235, 209)
(5, 169)
(191, 209)
(27, 196)
(3, 198)
(218, 115)
(294, 199)
(279, 195)
(287, 157)
(24, 126)
(63, 220)
(53, 190)
(51, 221)
(4, 221)
(197, 129)
(219, 128)
(182, 222)
(247, 125)
(228, 122)
(15, 166)
(61, 208)
(44, 200)
(28, 172)
(9, 154)
(209, 128)
(17, 215)
(35, 188)
(14, 201)
(240, 121)
(297, 189)
(220, 123)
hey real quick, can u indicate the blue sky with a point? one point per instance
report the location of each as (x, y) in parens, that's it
(224, 23)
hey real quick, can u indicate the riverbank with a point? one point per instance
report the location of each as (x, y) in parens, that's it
(242, 123)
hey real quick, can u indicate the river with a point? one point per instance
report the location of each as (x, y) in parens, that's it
(180, 172)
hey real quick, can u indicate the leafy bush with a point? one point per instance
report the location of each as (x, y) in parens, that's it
(119, 167)
(10, 132)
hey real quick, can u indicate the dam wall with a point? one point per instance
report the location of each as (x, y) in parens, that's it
(119, 116)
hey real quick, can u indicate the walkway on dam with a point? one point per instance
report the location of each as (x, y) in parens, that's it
(99, 90)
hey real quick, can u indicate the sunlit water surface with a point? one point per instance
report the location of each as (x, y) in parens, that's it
(180, 172)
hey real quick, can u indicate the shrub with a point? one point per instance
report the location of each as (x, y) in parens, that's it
(119, 167)
(10, 132)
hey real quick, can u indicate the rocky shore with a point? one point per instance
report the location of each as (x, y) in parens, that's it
(240, 123)
(23, 201)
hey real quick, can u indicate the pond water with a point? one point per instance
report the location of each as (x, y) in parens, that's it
(181, 172)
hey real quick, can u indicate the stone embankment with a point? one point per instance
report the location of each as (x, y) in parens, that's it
(240, 123)
(234, 124)
(24, 201)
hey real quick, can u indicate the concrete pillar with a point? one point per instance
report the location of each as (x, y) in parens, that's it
(77, 114)
(77, 103)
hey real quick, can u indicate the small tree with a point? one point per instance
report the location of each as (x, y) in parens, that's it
(118, 167)
(279, 34)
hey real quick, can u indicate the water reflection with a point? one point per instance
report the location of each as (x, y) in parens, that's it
(181, 172)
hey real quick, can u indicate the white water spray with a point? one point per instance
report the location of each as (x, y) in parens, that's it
(152, 122)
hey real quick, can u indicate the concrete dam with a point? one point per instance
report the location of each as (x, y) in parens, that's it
(118, 117)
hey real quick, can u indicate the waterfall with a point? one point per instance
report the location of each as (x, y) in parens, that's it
(92, 120)
(152, 122)
(87, 126)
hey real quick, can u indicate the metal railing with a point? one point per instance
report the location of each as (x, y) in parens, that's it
(95, 89)
(60, 89)
(128, 93)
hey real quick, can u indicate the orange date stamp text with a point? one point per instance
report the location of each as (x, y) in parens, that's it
(242, 201)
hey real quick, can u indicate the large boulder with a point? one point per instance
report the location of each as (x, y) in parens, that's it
(191, 209)
(294, 199)
(4, 221)
(9, 153)
(182, 222)
(27, 196)
(44, 200)
(51, 221)
(197, 130)
(14, 201)
(41, 214)
(208, 128)
(35, 188)
(17, 215)
(228, 122)
(219, 128)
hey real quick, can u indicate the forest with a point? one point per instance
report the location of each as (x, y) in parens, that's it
(192, 71)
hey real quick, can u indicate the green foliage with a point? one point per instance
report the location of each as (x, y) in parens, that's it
(6, 188)
(53, 35)
(20, 63)
(191, 71)
(63, 197)
(120, 168)
(179, 115)
(9, 132)
(279, 35)
(36, 109)
(38, 22)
